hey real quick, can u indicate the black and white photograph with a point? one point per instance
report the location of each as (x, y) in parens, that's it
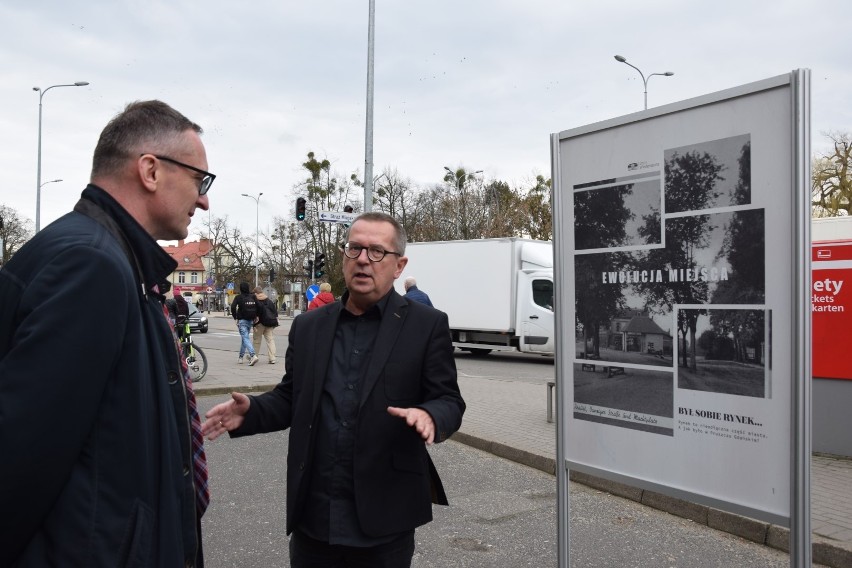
(638, 399)
(727, 353)
(625, 301)
(620, 215)
(708, 175)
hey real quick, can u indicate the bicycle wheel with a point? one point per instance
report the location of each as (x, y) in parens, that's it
(196, 361)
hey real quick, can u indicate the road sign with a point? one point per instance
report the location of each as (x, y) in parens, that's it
(337, 217)
(209, 290)
(312, 292)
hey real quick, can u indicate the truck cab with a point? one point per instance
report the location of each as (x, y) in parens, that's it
(535, 312)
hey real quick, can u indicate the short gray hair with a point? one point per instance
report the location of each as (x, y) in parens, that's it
(141, 123)
(400, 237)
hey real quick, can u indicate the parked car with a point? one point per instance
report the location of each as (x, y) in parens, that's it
(197, 320)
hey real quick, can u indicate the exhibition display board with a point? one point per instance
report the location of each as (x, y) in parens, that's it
(679, 268)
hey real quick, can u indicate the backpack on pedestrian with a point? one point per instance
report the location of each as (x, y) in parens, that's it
(268, 314)
(248, 307)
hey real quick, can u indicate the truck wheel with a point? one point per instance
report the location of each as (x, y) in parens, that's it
(479, 352)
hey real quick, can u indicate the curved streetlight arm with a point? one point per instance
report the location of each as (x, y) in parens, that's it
(644, 80)
(41, 93)
(51, 181)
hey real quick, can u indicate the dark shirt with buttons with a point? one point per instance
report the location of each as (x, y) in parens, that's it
(330, 514)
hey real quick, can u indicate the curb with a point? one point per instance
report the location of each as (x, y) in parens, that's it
(824, 551)
(216, 391)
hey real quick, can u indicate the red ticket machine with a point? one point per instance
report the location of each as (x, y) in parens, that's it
(831, 308)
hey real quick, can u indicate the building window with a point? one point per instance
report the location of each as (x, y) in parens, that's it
(182, 277)
(194, 278)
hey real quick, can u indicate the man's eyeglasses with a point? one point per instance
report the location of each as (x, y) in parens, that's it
(374, 252)
(205, 182)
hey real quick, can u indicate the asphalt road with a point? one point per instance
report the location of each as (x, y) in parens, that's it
(501, 514)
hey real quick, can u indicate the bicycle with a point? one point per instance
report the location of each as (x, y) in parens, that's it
(196, 360)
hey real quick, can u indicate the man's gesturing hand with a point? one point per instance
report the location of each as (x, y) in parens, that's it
(226, 416)
(419, 419)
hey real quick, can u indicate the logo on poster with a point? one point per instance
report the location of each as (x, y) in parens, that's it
(633, 166)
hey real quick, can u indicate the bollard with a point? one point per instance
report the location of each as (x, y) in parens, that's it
(551, 386)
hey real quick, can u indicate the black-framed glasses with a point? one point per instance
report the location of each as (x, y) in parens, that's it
(375, 253)
(205, 182)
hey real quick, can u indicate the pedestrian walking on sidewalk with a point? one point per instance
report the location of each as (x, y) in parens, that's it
(267, 321)
(369, 382)
(244, 312)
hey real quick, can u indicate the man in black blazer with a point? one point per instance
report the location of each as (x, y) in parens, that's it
(369, 382)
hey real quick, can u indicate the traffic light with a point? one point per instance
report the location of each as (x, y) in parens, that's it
(309, 269)
(319, 262)
(272, 275)
(300, 208)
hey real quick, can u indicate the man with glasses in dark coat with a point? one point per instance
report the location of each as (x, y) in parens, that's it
(102, 456)
(369, 382)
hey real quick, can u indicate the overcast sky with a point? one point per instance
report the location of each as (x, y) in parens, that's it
(477, 83)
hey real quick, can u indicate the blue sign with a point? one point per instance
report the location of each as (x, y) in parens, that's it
(230, 285)
(311, 292)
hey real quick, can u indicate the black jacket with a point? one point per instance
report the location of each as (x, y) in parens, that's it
(94, 438)
(238, 307)
(412, 365)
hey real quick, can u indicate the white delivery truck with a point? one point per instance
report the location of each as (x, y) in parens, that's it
(497, 293)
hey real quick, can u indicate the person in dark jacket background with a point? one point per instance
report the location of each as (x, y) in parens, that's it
(102, 460)
(244, 311)
(176, 306)
(412, 292)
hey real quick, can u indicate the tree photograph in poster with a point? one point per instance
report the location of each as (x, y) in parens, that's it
(708, 175)
(730, 353)
(611, 216)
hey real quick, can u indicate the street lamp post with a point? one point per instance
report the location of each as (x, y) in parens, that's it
(621, 59)
(41, 93)
(256, 233)
(368, 145)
